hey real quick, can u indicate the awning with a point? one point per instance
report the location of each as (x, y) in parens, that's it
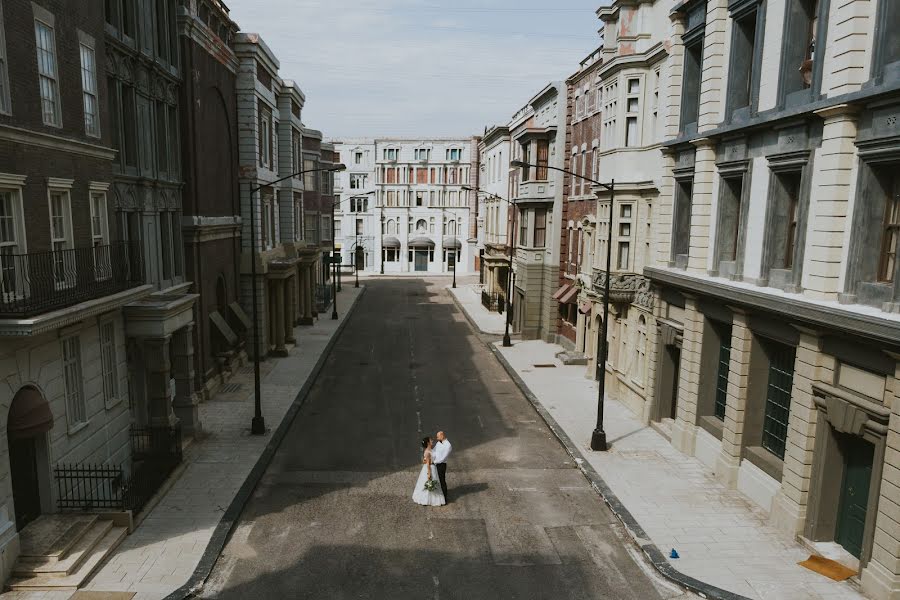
(584, 308)
(452, 242)
(559, 293)
(29, 415)
(421, 242)
(390, 242)
(569, 296)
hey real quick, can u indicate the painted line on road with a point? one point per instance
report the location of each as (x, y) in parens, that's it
(229, 520)
(480, 422)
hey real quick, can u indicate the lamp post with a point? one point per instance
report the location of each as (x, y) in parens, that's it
(356, 266)
(598, 437)
(258, 424)
(510, 277)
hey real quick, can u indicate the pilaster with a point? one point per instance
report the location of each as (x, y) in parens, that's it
(729, 460)
(278, 325)
(185, 404)
(684, 430)
(701, 205)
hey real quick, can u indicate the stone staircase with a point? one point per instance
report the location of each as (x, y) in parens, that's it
(60, 552)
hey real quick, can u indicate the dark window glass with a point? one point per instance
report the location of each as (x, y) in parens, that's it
(778, 398)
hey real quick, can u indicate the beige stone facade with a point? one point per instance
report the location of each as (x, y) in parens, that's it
(776, 330)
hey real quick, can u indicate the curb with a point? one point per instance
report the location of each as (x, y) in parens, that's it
(635, 531)
(232, 514)
(469, 318)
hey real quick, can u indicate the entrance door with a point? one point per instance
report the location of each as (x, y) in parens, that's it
(360, 259)
(675, 351)
(26, 488)
(421, 260)
(851, 522)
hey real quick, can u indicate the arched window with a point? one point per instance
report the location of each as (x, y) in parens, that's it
(451, 228)
(391, 226)
(640, 351)
(421, 226)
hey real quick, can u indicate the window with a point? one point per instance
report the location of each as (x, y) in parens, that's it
(177, 245)
(359, 204)
(358, 181)
(311, 223)
(4, 72)
(610, 110)
(654, 106)
(76, 411)
(624, 249)
(454, 198)
(784, 227)
(11, 236)
(60, 238)
(390, 153)
(359, 227)
(890, 235)
(799, 48)
(681, 232)
(326, 228)
(640, 350)
(631, 131)
(298, 216)
(742, 75)
(357, 158)
(693, 65)
(730, 217)
(423, 153)
(392, 198)
(309, 176)
(523, 226)
(297, 146)
(47, 73)
(421, 226)
(165, 235)
(99, 231)
(540, 228)
(778, 398)
(108, 356)
(526, 158)
(543, 158)
(724, 367)
(268, 220)
(162, 155)
(89, 91)
(454, 154)
(265, 137)
(391, 254)
(337, 229)
(129, 125)
(420, 198)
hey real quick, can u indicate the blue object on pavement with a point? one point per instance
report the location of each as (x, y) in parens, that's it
(673, 554)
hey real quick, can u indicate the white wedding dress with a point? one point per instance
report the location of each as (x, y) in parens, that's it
(423, 496)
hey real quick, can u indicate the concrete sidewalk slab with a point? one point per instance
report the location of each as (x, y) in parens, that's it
(468, 298)
(161, 555)
(723, 539)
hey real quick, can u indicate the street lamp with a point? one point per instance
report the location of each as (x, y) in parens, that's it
(598, 437)
(258, 424)
(510, 276)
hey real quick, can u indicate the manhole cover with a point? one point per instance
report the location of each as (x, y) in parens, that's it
(230, 388)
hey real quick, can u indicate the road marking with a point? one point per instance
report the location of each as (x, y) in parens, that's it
(437, 584)
(479, 421)
(419, 420)
(523, 489)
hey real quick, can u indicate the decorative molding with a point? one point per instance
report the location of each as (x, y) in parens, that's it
(12, 180)
(60, 183)
(98, 186)
(850, 413)
(624, 288)
(55, 142)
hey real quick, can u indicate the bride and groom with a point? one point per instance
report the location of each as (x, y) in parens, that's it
(434, 467)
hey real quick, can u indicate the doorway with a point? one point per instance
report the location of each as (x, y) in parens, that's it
(675, 353)
(29, 421)
(859, 456)
(421, 260)
(667, 373)
(25, 483)
(360, 259)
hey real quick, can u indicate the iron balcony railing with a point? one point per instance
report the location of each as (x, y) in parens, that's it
(493, 301)
(35, 283)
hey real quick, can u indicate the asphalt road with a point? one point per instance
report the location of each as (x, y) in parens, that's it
(333, 518)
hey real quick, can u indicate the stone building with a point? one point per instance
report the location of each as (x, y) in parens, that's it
(615, 132)
(494, 216)
(418, 216)
(318, 216)
(211, 220)
(272, 146)
(777, 286)
(538, 135)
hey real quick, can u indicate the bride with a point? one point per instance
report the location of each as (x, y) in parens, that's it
(429, 473)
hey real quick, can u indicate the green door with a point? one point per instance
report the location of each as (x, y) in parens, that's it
(851, 525)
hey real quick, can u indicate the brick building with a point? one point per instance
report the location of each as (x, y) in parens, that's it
(211, 204)
(777, 288)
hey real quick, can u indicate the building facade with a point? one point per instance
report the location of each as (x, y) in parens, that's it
(211, 220)
(414, 208)
(537, 137)
(615, 131)
(776, 284)
(494, 216)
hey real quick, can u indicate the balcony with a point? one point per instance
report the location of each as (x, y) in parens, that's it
(40, 282)
(624, 288)
(535, 191)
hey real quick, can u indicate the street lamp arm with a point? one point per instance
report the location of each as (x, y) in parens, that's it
(333, 169)
(490, 194)
(519, 163)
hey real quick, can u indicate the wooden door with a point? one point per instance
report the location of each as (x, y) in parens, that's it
(851, 522)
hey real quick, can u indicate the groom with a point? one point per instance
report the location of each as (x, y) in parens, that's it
(439, 458)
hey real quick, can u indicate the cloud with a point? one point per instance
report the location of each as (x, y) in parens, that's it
(403, 67)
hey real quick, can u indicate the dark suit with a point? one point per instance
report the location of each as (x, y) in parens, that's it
(442, 475)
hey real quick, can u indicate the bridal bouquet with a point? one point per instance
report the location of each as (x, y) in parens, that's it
(430, 485)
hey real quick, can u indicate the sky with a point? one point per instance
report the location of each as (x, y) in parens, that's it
(420, 68)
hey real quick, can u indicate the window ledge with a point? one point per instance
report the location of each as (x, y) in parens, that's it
(74, 429)
(113, 403)
(767, 462)
(712, 425)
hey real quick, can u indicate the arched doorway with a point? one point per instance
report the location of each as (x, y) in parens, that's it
(360, 259)
(28, 422)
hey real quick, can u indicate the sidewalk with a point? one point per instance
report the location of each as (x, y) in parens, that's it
(723, 540)
(164, 550)
(468, 295)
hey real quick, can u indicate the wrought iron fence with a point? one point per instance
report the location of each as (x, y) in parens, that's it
(156, 452)
(323, 297)
(38, 282)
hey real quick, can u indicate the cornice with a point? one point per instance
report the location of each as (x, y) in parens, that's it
(55, 142)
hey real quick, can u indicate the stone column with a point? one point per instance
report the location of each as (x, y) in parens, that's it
(684, 430)
(701, 205)
(290, 290)
(729, 460)
(159, 374)
(186, 402)
(313, 282)
(298, 293)
(278, 317)
(790, 503)
(881, 577)
(306, 289)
